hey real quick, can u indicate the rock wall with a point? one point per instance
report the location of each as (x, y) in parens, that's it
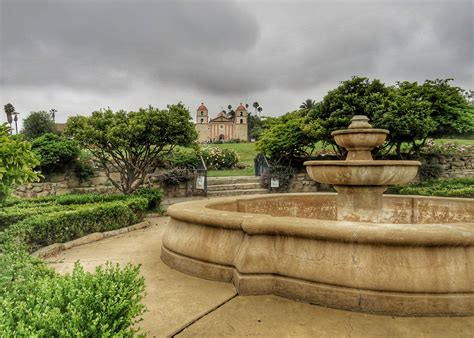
(68, 183)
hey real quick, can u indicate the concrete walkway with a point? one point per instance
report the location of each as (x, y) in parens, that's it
(185, 306)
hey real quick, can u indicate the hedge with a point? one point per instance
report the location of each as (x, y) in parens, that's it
(454, 187)
(35, 300)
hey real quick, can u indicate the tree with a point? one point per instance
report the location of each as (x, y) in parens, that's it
(16, 162)
(286, 140)
(256, 126)
(55, 152)
(132, 142)
(257, 107)
(9, 111)
(37, 124)
(308, 104)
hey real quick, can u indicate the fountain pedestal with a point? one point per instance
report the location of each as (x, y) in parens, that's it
(360, 204)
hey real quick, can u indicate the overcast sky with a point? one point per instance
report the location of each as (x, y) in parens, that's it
(79, 56)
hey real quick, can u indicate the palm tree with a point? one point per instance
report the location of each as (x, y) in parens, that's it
(9, 111)
(308, 104)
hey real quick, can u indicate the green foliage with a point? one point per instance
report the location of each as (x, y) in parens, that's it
(37, 124)
(454, 187)
(256, 126)
(132, 142)
(286, 139)
(282, 173)
(430, 171)
(182, 157)
(83, 167)
(16, 163)
(152, 195)
(36, 302)
(446, 148)
(9, 111)
(219, 158)
(55, 152)
(174, 176)
(64, 225)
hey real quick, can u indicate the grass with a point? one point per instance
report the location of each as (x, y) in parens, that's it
(246, 153)
(455, 141)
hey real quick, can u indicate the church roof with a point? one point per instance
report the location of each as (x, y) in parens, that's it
(241, 107)
(202, 107)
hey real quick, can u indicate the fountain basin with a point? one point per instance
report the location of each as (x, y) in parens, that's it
(368, 173)
(416, 261)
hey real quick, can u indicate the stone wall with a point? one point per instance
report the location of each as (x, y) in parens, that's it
(68, 183)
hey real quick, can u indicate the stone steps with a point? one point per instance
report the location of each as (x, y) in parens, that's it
(236, 192)
(232, 180)
(235, 185)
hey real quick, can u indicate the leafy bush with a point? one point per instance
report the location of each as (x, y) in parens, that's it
(219, 158)
(83, 167)
(153, 196)
(56, 152)
(454, 187)
(37, 302)
(174, 176)
(182, 157)
(282, 173)
(430, 171)
(16, 162)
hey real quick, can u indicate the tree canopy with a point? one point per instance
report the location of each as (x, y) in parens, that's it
(37, 124)
(130, 143)
(412, 112)
(16, 162)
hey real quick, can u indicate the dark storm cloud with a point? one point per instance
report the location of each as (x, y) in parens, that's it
(277, 51)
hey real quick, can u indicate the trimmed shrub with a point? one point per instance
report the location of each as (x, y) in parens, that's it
(219, 158)
(429, 171)
(454, 187)
(153, 196)
(65, 225)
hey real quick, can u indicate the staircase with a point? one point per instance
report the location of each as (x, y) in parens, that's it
(234, 185)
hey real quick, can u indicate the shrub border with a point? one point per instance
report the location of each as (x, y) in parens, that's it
(55, 248)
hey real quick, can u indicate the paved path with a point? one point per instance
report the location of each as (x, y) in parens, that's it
(192, 307)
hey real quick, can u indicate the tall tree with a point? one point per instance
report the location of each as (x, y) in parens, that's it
(9, 111)
(37, 124)
(131, 143)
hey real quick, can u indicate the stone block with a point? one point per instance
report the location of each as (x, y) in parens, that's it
(48, 250)
(96, 236)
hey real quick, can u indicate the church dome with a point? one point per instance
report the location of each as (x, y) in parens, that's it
(202, 107)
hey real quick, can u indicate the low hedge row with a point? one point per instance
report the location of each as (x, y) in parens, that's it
(454, 187)
(35, 300)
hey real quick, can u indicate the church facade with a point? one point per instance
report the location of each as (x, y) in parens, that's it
(223, 127)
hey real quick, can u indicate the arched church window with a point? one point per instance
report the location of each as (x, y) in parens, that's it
(241, 114)
(241, 121)
(202, 113)
(202, 120)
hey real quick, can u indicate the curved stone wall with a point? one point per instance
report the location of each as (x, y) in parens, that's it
(290, 245)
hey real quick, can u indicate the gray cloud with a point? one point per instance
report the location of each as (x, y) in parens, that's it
(81, 55)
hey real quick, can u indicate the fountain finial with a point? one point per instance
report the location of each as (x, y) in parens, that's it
(360, 122)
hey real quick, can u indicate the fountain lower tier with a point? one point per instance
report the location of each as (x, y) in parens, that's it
(360, 184)
(416, 261)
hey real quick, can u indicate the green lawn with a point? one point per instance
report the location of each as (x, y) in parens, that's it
(246, 153)
(455, 141)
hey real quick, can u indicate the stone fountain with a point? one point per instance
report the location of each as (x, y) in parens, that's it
(359, 180)
(356, 250)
